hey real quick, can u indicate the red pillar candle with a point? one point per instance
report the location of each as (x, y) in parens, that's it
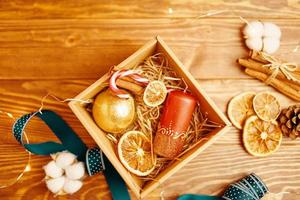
(174, 122)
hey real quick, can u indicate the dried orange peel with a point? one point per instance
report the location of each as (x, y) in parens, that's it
(155, 93)
(256, 114)
(266, 106)
(240, 108)
(134, 149)
(261, 138)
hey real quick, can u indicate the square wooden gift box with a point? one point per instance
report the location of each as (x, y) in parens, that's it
(138, 186)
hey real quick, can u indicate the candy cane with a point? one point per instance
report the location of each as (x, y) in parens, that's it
(123, 73)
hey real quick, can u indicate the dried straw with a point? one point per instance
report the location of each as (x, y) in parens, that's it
(156, 67)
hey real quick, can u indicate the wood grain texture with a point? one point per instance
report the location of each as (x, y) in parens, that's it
(87, 48)
(62, 47)
(82, 9)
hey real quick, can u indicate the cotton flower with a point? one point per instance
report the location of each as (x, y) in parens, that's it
(254, 43)
(75, 171)
(254, 29)
(65, 159)
(72, 186)
(271, 30)
(64, 173)
(55, 184)
(270, 45)
(52, 170)
(262, 36)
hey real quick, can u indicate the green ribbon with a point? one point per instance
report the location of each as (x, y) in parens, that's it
(94, 158)
(198, 197)
(250, 187)
(69, 140)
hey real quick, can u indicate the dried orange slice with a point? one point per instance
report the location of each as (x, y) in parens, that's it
(155, 93)
(134, 149)
(261, 138)
(266, 106)
(240, 108)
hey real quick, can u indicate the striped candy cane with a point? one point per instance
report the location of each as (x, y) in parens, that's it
(125, 73)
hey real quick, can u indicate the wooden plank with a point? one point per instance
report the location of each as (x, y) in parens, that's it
(83, 9)
(225, 159)
(21, 97)
(71, 49)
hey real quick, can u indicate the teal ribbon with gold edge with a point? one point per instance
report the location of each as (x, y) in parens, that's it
(94, 158)
(250, 187)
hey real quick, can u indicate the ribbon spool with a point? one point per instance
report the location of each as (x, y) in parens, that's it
(95, 160)
(250, 187)
(198, 197)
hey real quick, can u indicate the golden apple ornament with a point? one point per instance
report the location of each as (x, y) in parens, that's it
(112, 113)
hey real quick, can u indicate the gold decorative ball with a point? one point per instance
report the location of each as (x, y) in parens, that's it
(112, 113)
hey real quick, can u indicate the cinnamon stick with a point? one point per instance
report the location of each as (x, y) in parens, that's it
(257, 57)
(258, 66)
(128, 85)
(292, 85)
(277, 84)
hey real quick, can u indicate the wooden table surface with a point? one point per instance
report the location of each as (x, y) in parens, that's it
(63, 46)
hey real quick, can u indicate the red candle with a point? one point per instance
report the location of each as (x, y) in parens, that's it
(174, 122)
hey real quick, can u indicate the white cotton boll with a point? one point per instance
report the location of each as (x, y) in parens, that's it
(75, 171)
(72, 186)
(52, 170)
(254, 43)
(53, 156)
(55, 184)
(65, 159)
(271, 45)
(254, 29)
(271, 30)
